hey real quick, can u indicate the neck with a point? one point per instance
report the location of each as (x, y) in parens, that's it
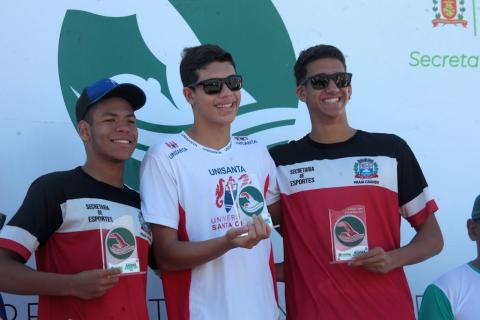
(111, 174)
(211, 137)
(331, 133)
(476, 263)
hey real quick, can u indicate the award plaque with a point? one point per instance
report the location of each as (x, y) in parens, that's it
(348, 229)
(119, 246)
(250, 200)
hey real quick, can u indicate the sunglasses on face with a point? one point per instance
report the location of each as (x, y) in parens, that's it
(320, 81)
(215, 85)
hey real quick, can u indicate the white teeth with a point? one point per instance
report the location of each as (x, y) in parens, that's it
(331, 100)
(121, 141)
(225, 105)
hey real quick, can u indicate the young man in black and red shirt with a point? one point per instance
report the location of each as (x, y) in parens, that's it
(374, 179)
(64, 215)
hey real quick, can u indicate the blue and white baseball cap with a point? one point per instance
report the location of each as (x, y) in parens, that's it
(107, 88)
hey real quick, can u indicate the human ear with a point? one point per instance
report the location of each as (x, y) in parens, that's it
(189, 95)
(472, 229)
(301, 94)
(83, 129)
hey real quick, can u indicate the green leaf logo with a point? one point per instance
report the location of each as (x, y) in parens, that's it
(144, 48)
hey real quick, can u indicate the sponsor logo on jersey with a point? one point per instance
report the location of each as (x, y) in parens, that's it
(227, 170)
(350, 230)
(171, 144)
(251, 201)
(297, 176)
(99, 217)
(451, 12)
(120, 243)
(175, 153)
(365, 168)
(225, 222)
(226, 191)
(94, 206)
(241, 140)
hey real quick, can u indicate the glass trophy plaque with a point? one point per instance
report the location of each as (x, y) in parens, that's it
(248, 199)
(119, 246)
(348, 228)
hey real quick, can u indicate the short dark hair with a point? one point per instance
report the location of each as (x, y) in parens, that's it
(311, 54)
(196, 58)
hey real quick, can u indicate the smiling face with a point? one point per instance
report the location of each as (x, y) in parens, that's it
(326, 104)
(213, 110)
(109, 131)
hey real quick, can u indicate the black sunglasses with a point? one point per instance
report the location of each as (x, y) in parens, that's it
(320, 81)
(215, 85)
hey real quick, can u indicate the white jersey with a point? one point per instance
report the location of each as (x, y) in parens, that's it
(192, 188)
(453, 296)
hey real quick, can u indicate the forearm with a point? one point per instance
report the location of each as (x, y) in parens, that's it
(426, 243)
(180, 255)
(172, 254)
(20, 279)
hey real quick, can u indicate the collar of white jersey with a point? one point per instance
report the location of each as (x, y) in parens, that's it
(197, 145)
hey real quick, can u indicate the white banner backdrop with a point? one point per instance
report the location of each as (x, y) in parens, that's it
(416, 73)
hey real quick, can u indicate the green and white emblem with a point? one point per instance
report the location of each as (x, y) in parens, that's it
(144, 48)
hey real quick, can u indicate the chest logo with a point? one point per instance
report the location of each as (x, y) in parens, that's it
(226, 193)
(365, 168)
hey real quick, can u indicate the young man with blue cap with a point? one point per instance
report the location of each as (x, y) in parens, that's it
(65, 214)
(455, 294)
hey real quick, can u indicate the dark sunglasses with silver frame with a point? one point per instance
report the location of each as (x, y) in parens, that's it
(215, 85)
(320, 81)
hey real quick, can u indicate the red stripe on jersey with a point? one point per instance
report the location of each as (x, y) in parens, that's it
(271, 263)
(15, 247)
(176, 284)
(419, 218)
(182, 225)
(265, 186)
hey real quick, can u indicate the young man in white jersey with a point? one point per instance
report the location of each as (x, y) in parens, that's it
(213, 266)
(454, 296)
